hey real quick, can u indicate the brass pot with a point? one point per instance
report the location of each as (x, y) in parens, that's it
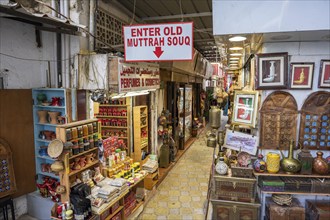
(320, 166)
(289, 164)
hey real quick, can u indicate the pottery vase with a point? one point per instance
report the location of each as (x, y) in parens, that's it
(221, 167)
(273, 162)
(41, 97)
(42, 114)
(57, 166)
(260, 165)
(90, 158)
(320, 166)
(53, 117)
(48, 134)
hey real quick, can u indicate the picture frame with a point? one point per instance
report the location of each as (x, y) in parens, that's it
(245, 108)
(272, 71)
(239, 141)
(301, 75)
(324, 76)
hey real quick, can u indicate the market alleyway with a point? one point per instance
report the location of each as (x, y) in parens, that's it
(183, 193)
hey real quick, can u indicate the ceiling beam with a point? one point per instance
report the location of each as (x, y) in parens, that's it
(193, 15)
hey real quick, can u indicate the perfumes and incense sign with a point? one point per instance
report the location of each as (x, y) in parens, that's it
(137, 76)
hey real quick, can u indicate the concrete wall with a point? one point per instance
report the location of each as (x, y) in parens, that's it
(19, 40)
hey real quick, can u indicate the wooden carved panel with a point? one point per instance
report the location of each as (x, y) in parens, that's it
(314, 131)
(278, 116)
(7, 176)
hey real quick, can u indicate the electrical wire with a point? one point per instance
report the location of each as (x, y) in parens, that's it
(37, 60)
(181, 10)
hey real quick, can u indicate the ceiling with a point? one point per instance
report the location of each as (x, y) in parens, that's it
(163, 11)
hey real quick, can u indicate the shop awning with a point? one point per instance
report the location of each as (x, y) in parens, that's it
(42, 21)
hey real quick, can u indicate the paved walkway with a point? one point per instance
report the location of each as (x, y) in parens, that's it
(183, 193)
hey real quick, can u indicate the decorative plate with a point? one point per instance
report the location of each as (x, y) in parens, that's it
(244, 159)
(55, 148)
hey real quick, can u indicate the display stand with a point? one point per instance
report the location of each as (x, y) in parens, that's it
(71, 169)
(115, 120)
(46, 101)
(140, 123)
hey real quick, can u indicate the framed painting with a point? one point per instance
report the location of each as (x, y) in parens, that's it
(272, 71)
(324, 77)
(301, 75)
(245, 108)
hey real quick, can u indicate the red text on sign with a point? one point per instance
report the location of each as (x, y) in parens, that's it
(146, 31)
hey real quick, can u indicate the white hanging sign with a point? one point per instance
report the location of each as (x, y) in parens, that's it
(137, 76)
(159, 42)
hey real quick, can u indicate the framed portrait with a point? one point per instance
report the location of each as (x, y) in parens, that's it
(301, 75)
(245, 108)
(324, 77)
(272, 71)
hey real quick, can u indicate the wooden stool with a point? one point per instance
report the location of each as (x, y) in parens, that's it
(4, 202)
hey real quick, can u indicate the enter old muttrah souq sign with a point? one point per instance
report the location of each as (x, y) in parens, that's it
(159, 42)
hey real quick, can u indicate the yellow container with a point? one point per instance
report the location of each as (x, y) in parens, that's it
(273, 162)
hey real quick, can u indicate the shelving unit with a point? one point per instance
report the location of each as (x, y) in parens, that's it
(140, 122)
(112, 118)
(64, 109)
(263, 193)
(86, 130)
(104, 212)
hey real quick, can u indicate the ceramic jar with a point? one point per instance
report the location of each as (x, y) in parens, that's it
(57, 166)
(320, 166)
(42, 114)
(273, 162)
(260, 165)
(221, 167)
(53, 117)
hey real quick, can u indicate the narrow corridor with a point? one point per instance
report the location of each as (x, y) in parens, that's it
(183, 193)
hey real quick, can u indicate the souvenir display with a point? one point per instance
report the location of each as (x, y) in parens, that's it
(289, 164)
(273, 162)
(314, 130)
(278, 120)
(320, 166)
(221, 167)
(260, 165)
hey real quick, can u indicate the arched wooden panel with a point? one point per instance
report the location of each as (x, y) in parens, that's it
(278, 116)
(7, 175)
(314, 131)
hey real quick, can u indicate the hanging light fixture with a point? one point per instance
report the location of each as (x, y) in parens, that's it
(237, 38)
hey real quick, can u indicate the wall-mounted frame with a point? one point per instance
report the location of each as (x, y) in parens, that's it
(272, 71)
(324, 77)
(245, 108)
(301, 75)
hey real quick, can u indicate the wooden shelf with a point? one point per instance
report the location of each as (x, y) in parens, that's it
(111, 105)
(84, 168)
(49, 106)
(114, 127)
(291, 175)
(77, 123)
(138, 113)
(107, 206)
(46, 158)
(136, 208)
(48, 174)
(297, 193)
(115, 136)
(115, 213)
(109, 116)
(80, 154)
(82, 137)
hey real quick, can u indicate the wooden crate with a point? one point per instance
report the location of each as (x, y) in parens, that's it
(292, 184)
(235, 189)
(151, 180)
(276, 212)
(271, 184)
(320, 186)
(317, 210)
(245, 172)
(229, 210)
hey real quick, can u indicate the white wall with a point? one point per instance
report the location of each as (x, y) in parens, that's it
(19, 40)
(237, 16)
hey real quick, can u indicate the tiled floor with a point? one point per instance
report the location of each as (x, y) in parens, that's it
(183, 193)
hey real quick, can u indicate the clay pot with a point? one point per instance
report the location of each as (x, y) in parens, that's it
(42, 114)
(90, 158)
(82, 161)
(48, 134)
(53, 117)
(76, 164)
